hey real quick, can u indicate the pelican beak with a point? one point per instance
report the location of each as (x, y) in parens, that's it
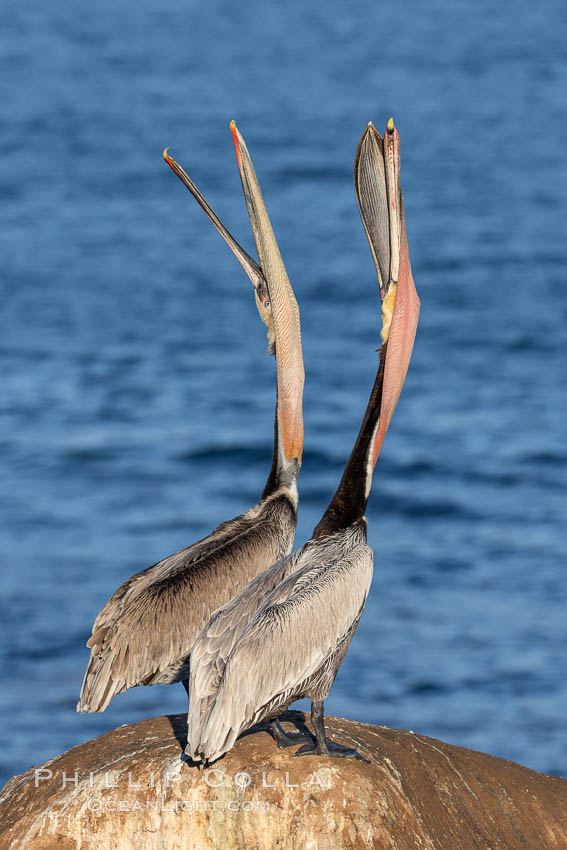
(284, 307)
(249, 265)
(372, 199)
(380, 201)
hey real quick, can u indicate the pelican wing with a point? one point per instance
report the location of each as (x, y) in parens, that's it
(300, 625)
(145, 632)
(215, 643)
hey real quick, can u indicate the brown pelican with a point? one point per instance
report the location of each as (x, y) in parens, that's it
(145, 632)
(285, 635)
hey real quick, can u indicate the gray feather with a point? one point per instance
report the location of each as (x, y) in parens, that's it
(263, 651)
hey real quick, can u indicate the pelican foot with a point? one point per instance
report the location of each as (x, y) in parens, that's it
(329, 748)
(287, 739)
(186, 759)
(322, 745)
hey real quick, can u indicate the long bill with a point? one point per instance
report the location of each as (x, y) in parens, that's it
(400, 301)
(249, 265)
(379, 197)
(290, 373)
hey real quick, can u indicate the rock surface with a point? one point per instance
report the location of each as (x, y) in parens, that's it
(129, 789)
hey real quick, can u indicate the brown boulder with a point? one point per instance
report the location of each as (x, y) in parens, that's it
(129, 789)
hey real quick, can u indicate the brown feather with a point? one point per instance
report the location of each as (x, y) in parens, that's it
(145, 632)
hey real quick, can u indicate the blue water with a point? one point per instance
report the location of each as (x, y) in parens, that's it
(136, 403)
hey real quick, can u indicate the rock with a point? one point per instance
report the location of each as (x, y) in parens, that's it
(129, 789)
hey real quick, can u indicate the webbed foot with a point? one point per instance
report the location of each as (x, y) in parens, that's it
(287, 739)
(329, 748)
(322, 745)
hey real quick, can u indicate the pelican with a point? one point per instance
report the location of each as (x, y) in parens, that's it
(285, 635)
(145, 633)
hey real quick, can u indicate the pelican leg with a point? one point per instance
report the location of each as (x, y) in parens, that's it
(286, 739)
(323, 745)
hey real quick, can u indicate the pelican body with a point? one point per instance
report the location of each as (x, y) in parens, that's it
(145, 633)
(285, 635)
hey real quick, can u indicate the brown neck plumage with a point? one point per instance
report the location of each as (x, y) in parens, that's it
(351, 497)
(273, 477)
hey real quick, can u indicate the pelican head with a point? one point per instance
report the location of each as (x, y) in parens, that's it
(274, 296)
(380, 201)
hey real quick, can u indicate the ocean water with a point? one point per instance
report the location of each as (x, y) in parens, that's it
(136, 403)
